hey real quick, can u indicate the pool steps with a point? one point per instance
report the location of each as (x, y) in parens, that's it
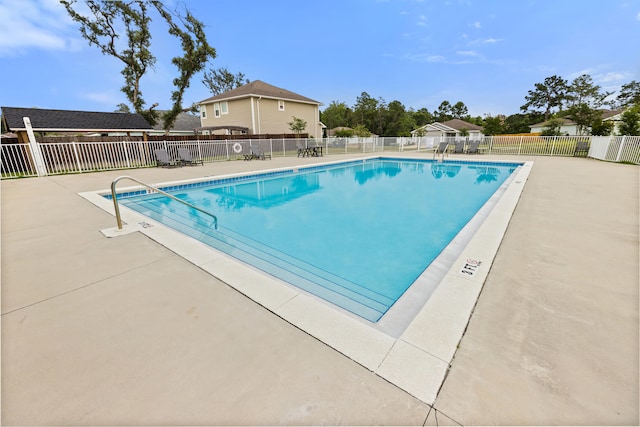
(342, 292)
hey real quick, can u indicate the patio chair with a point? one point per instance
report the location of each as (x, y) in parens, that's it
(473, 147)
(163, 159)
(185, 158)
(582, 148)
(302, 149)
(247, 152)
(257, 153)
(459, 147)
(442, 147)
(314, 149)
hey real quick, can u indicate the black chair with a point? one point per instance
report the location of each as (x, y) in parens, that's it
(314, 149)
(163, 159)
(247, 152)
(442, 148)
(302, 149)
(184, 157)
(257, 153)
(473, 147)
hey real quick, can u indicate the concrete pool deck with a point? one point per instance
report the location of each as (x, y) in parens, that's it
(124, 331)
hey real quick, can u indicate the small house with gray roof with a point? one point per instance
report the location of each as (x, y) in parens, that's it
(258, 108)
(185, 124)
(569, 127)
(67, 121)
(449, 129)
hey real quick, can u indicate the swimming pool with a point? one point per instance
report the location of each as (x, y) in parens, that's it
(356, 234)
(413, 344)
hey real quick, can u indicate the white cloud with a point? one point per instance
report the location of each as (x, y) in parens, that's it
(439, 59)
(467, 53)
(41, 24)
(638, 16)
(609, 81)
(612, 81)
(490, 40)
(436, 58)
(576, 74)
(611, 77)
(475, 24)
(423, 57)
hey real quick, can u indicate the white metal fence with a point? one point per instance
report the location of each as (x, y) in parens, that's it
(78, 157)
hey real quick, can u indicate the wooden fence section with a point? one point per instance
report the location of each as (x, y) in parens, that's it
(157, 138)
(89, 156)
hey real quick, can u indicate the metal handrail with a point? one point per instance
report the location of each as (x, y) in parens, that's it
(435, 152)
(164, 193)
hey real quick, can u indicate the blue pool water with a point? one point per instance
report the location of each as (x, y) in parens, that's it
(357, 234)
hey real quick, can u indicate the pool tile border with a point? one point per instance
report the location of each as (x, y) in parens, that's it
(419, 359)
(229, 179)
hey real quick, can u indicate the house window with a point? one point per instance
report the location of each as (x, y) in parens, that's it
(203, 111)
(281, 105)
(220, 108)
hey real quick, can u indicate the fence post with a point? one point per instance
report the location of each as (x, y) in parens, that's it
(520, 146)
(75, 153)
(126, 153)
(41, 169)
(199, 150)
(621, 147)
(226, 146)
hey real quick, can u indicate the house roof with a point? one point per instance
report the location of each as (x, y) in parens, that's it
(458, 124)
(258, 88)
(332, 132)
(43, 120)
(454, 125)
(610, 114)
(184, 122)
(565, 122)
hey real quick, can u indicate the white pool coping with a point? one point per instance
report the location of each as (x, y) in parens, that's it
(417, 361)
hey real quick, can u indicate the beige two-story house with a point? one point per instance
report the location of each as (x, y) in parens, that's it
(259, 108)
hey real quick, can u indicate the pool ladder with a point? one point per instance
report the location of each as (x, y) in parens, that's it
(442, 153)
(114, 196)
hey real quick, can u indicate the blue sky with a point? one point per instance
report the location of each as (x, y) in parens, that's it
(485, 53)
